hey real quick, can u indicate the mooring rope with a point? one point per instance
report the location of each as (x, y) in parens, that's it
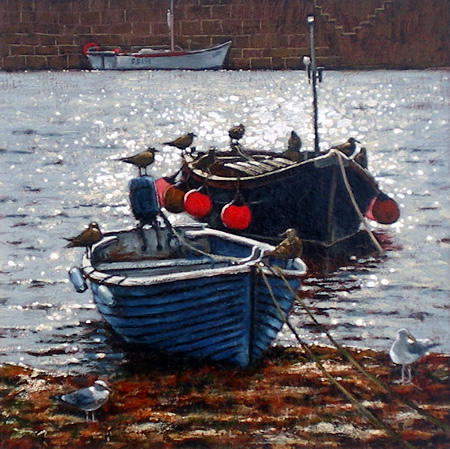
(183, 242)
(384, 387)
(363, 410)
(355, 204)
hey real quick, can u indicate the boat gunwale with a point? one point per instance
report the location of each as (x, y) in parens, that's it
(258, 180)
(157, 54)
(103, 278)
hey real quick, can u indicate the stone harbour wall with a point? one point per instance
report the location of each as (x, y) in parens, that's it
(265, 34)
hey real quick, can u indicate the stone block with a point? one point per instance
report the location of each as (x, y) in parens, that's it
(109, 16)
(12, 63)
(57, 62)
(37, 62)
(252, 53)
(9, 17)
(261, 63)
(90, 17)
(69, 18)
(220, 12)
(211, 27)
(45, 50)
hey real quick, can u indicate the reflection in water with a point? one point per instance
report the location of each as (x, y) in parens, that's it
(62, 136)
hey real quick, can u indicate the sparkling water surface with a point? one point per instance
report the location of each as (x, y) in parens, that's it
(62, 132)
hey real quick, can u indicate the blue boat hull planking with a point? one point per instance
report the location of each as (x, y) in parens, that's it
(208, 307)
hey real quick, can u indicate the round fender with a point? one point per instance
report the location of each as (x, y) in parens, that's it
(77, 279)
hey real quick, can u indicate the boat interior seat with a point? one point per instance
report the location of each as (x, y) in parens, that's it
(259, 167)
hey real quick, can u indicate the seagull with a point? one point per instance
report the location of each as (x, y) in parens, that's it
(87, 399)
(182, 142)
(347, 148)
(206, 161)
(407, 350)
(236, 132)
(87, 238)
(141, 160)
(361, 158)
(293, 150)
(288, 249)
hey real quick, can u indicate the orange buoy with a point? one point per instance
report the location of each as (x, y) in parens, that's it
(383, 210)
(197, 204)
(173, 198)
(236, 215)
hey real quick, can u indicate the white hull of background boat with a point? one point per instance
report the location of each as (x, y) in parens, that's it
(151, 59)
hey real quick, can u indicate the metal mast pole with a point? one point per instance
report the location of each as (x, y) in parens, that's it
(314, 76)
(172, 38)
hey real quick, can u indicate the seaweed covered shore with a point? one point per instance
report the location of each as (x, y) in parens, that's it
(284, 402)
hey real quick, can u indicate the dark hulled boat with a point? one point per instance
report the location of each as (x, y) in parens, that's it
(323, 198)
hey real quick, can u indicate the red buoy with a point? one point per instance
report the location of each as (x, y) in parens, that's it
(197, 204)
(383, 210)
(236, 215)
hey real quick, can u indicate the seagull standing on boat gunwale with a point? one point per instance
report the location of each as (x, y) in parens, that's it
(141, 160)
(407, 350)
(87, 238)
(288, 249)
(87, 399)
(182, 142)
(236, 133)
(206, 161)
(293, 150)
(347, 148)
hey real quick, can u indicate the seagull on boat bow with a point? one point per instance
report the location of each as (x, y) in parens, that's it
(87, 238)
(141, 160)
(87, 399)
(347, 148)
(407, 350)
(236, 133)
(182, 142)
(361, 158)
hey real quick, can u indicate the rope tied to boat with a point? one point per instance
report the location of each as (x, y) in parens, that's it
(363, 410)
(354, 203)
(346, 354)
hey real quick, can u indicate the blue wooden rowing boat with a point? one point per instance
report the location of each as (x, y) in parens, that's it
(190, 290)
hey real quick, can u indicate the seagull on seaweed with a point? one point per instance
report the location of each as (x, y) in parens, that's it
(288, 249)
(361, 158)
(87, 399)
(206, 161)
(87, 238)
(236, 133)
(407, 350)
(141, 160)
(182, 142)
(347, 148)
(293, 149)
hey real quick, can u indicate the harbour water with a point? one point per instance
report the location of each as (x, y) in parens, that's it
(62, 133)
